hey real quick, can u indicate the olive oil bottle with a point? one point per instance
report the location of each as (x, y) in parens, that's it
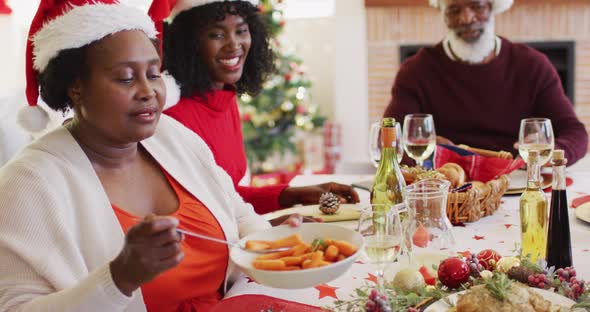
(533, 212)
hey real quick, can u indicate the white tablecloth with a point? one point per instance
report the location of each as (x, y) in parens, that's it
(500, 232)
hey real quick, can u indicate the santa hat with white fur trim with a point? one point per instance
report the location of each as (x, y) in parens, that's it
(499, 6)
(179, 6)
(68, 24)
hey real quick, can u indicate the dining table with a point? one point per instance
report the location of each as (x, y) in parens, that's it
(499, 231)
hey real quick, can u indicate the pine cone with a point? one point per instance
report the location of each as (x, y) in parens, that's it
(521, 273)
(329, 203)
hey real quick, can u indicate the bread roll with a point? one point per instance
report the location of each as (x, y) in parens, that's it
(453, 173)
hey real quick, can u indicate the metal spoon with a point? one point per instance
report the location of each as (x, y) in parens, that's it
(221, 241)
(233, 244)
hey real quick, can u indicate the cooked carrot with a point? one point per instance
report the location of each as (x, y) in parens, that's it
(257, 245)
(301, 249)
(275, 255)
(345, 248)
(331, 253)
(288, 241)
(271, 265)
(292, 260)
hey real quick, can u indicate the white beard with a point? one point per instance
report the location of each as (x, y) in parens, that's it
(475, 52)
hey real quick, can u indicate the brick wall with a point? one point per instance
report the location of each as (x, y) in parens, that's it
(392, 26)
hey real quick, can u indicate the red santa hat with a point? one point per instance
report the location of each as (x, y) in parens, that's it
(499, 6)
(179, 6)
(69, 24)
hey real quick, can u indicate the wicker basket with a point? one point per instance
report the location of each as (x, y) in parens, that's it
(483, 199)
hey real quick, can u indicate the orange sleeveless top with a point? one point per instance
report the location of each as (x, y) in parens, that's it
(195, 284)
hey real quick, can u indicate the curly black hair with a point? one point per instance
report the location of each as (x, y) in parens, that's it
(182, 58)
(61, 73)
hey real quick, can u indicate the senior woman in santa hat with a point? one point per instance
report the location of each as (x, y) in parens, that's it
(478, 86)
(89, 212)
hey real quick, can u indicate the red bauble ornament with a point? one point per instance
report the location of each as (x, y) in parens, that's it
(488, 258)
(453, 272)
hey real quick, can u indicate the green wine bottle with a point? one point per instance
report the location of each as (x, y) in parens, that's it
(389, 182)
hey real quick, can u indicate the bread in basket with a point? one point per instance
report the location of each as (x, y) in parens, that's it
(464, 204)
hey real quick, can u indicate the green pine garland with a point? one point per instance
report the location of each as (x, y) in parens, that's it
(269, 120)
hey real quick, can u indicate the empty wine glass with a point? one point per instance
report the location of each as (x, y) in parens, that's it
(536, 134)
(375, 143)
(419, 137)
(380, 226)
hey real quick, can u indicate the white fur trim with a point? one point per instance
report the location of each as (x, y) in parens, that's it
(172, 90)
(83, 25)
(32, 118)
(498, 5)
(185, 5)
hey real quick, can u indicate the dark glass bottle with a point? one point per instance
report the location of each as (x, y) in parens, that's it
(559, 244)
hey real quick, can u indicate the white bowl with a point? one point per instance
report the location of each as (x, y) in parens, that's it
(301, 278)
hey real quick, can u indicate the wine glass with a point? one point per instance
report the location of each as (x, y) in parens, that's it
(419, 137)
(375, 143)
(381, 228)
(536, 134)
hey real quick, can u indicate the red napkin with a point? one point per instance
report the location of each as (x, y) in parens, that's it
(477, 168)
(257, 303)
(580, 201)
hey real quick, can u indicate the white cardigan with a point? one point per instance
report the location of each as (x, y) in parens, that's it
(58, 231)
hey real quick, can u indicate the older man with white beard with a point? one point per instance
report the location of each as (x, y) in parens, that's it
(479, 86)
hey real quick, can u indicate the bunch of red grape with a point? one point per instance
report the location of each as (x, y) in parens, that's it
(474, 265)
(573, 288)
(377, 302)
(538, 280)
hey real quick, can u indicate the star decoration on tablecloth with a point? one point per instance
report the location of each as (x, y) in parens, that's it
(326, 291)
(477, 237)
(371, 278)
(465, 253)
(501, 242)
(250, 280)
(508, 225)
(359, 262)
(585, 250)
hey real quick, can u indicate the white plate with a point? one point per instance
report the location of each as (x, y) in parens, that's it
(518, 181)
(302, 278)
(346, 212)
(583, 212)
(442, 306)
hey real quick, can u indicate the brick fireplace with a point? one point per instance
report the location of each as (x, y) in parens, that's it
(395, 27)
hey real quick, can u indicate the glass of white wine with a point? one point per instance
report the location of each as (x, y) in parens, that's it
(375, 143)
(419, 137)
(381, 228)
(536, 134)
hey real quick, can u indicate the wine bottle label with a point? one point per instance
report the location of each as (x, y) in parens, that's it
(388, 136)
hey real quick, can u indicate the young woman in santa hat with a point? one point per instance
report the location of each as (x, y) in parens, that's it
(89, 212)
(215, 50)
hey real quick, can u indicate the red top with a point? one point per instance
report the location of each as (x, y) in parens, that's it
(482, 105)
(195, 284)
(217, 122)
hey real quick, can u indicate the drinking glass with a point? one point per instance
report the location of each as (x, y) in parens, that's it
(380, 226)
(536, 134)
(419, 137)
(375, 143)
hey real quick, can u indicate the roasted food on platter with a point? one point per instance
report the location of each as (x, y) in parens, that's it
(302, 255)
(517, 297)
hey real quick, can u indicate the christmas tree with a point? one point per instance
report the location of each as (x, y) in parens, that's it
(270, 119)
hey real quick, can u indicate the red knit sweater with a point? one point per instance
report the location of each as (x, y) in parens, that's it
(482, 105)
(217, 121)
